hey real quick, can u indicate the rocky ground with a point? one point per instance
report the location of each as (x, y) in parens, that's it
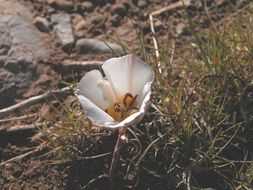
(43, 41)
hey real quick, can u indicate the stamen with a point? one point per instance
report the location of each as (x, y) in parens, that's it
(132, 103)
(125, 98)
(117, 107)
(123, 107)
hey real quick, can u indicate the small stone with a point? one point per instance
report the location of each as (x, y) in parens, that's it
(87, 6)
(158, 23)
(64, 30)
(80, 25)
(62, 4)
(115, 20)
(141, 4)
(97, 19)
(78, 22)
(85, 45)
(181, 29)
(119, 9)
(80, 34)
(42, 24)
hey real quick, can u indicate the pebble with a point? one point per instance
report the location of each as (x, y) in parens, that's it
(142, 3)
(78, 22)
(86, 45)
(63, 4)
(180, 28)
(119, 9)
(158, 23)
(97, 19)
(63, 27)
(87, 6)
(115, 20)
(79, 25)
(42, 24)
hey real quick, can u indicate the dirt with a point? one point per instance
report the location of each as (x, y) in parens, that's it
(118, 21)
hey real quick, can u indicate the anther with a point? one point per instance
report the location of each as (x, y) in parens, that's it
(132, 103)
(125, 98)
(117, 107)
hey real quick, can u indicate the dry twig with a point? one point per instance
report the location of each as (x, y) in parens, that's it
(37, 149)
(68, 65)
(18, 128)
(151, 20)
(34, 100)
(81, 64)
(23, 117)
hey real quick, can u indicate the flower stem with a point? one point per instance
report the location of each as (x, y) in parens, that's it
(116, 152)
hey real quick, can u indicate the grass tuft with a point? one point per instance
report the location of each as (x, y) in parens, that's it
(199, 133)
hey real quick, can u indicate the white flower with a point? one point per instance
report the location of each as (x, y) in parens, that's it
(122, 97)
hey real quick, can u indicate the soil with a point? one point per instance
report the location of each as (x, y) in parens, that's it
(118, 21)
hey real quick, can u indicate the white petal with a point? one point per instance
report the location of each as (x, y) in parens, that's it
(127, 74)
(145, 95)
(97, 116)
(136, 117)
(96, 89)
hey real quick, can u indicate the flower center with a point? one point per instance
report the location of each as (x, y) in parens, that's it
(124, 107)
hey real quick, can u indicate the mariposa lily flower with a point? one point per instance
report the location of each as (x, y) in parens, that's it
(119, 97)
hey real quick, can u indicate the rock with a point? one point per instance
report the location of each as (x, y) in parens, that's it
(181, 29)
(85, 45)
(18, 37)
(119, 9)
(141, 4)
(8, 88)
(80, 34)
(20, 49)
(78, 22)
(115, 20)
(79, 25)
(62, 25)
(99, 22)
(42, 24)
(62, 4)
(158, 23)
(97, 19)
(87, 6)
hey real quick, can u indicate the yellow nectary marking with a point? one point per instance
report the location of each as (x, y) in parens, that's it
(126, 106)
